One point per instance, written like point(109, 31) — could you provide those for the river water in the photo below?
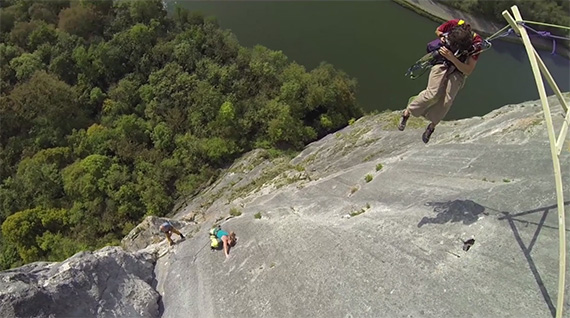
point(375, 42)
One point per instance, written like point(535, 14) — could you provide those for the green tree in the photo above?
point(42, 34)
point(131, 12)
point(7, 73)
point(20, 33)
point(123, 99)
point(102, 7)
point(218, 151)
point(265, 66)
point(26, 65)
point(62, 63)
point(187, 55)
point(36, 233)
point(122, 189)
point(152, 191)
point(39, 178)
point(135, 111)
point(83, 180)
point(124, 52)
point(42, 110)
point(63, 67)
point(168, 95)
point(133, 135)
point(162, 137)
point(187, 153)
point(81, 20)
point(8, 17)
point(161, 54)
point(283, 129)
point(9, 256)
point(43, 11)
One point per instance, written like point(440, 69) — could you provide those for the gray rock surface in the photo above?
point(331, 244)
point(148, 232)
point(105, 283)
point(318, 238)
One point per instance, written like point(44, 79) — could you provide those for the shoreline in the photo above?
point(440, 13)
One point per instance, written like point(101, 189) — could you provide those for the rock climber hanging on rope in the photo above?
point(452, 57)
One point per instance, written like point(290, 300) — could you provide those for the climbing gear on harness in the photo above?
point(214, 240)
point(433, 57)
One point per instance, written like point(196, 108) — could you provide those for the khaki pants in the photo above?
point(169, 234)
point(435, 101)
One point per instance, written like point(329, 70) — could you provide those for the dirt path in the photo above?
point(447, 13)
point(438, 11)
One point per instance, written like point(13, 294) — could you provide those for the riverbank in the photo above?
point(440, 13)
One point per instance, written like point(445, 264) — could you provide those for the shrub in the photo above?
point(235, 212)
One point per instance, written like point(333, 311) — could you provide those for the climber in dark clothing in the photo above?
point(168, 229)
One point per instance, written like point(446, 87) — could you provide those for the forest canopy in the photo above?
point(113, 110)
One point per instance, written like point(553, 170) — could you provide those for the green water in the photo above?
point(375, 42)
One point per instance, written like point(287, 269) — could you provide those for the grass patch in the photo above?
point(351, 121)
point(235, 212)
point(257, 215)
point(352, 138)
point(355, 213)
point(379, 167)
point(359, 212)
point(310, 158)
point(287, 180)
point(268, 174)
point(354, 189)
point(391, 120)
point(506, 180)
point(368, 178)
point(368, 158)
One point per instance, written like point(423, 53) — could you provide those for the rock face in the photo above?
point(148, 233)
point(366, 222)
point(370, 222)
point(106, 283)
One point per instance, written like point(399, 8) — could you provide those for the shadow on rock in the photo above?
point(465, 211)
point(513, 219)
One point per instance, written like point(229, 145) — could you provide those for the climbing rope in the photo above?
point(547, 24)
point(498, 33)
point(546, 34)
